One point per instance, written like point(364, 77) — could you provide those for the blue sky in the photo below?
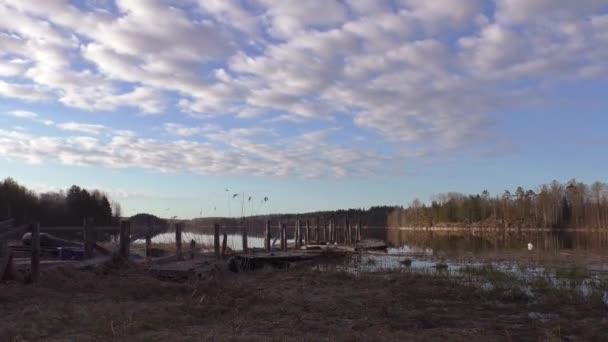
point(317, 104)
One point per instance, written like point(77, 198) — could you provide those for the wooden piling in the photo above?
point(125, 238)
point(296, 234)
point(224, 244)
point(178, 241)
point(359, 226)
point(87, 238)
point(325, 231)
point(318, 231)
point(267, 237)
point(283, 237)
point(5, 258)
point(148, 245)
point(35, 257)
point(216, 240)
point(307, 233)
point(192, 249)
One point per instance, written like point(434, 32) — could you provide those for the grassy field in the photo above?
point(125, 303)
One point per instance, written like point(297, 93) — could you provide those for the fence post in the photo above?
point(178, 241)
point(125, 238)
point(267, 237)
point(216, 240)
point(318, 231)
point(35, 258)
point(283, 237)
point(307, 233)
point(297, 234)
point(224, 243)
point(87, 237)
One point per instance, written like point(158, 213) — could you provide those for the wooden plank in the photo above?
point(178, 241)
point(35, 257)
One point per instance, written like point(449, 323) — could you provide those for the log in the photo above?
point(216, 240)
point(125, 238)
point(267, 237)
point(35, 258)
point(178, 242)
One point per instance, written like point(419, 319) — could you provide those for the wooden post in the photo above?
point(346, 231)
point(224, 244)
point(359, 230)
point(148, 245)
point(216, 240)
point(318, 231)
point(331, 231)
point(297, 234)
point(87, 238)
point(325, 231)
point(283, 237)
point(192, 248)
point(267, 237)
point(244, 237)
point(307, 233)
point(125, 237)
point(178, 241)
point(35, 258)
point(5, 259)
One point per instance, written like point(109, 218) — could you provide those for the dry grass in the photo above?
point(295, 304)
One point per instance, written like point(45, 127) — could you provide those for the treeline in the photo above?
point(555, 205)
point(67, 208)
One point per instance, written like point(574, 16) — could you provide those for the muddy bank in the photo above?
point(293, 304)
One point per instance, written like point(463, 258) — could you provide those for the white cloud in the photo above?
point(23, 114)
point(81, 127)
point(425, 75)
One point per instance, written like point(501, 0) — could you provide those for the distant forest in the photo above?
point(67, 208)
point(554, 205)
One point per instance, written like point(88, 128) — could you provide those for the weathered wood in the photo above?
point(5, 258)
point(125, 238)
point(267, 237)
point(88, 238)
point(284, 237)
point(35, 257)
point(192, 248)
point(244, 237)
point(224, 244)
point(318, 231)
point(216, 240)
point(307, 233)
point(148, 246)
point(359, 226)
point(178, 241)
point(297, 234)
point(276, 259)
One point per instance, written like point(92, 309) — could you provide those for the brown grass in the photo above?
point(295, 304)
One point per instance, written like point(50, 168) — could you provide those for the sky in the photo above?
point(172, 107)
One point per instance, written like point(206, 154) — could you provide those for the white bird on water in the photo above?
point(530, 246)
